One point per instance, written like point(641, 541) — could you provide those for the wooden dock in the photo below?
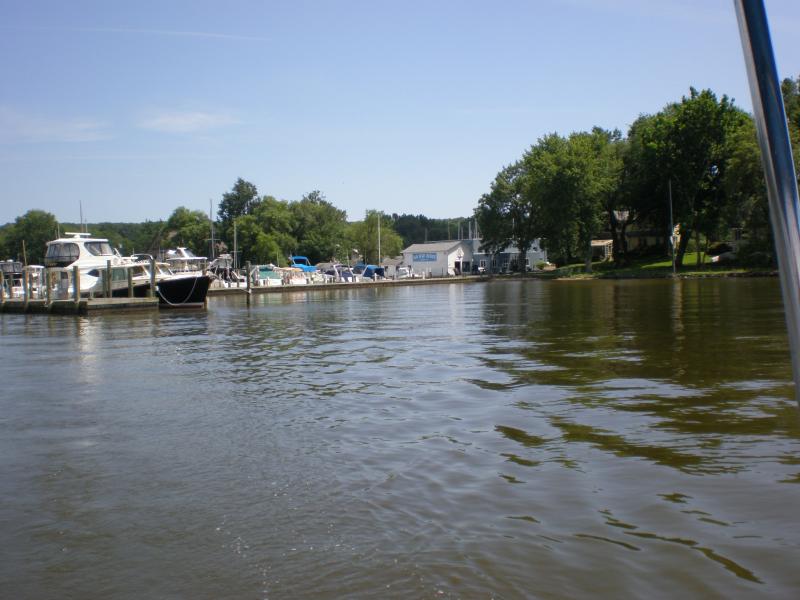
point(84, 306)
point(316, 287)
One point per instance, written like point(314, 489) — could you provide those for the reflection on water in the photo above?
point(508, 440)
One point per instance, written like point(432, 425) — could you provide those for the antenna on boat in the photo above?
point(80, 207)
point(776, 156)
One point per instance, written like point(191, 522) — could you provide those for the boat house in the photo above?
point(439, 259)
point(457, 257)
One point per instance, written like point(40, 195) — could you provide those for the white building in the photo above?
point(439, 259)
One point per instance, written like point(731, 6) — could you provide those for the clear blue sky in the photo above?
point(135, 108)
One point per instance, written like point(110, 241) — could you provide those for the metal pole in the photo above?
point(776, 156)
point(671, 227)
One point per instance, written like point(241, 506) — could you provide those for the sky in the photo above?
point(131, 109)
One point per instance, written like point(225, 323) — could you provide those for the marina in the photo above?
point(84, 275)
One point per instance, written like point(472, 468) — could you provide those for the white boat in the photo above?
point(93, 255)
point(183, 260)
point(266, 275)
point(12, 278)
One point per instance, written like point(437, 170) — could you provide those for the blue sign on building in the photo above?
point(424, 257)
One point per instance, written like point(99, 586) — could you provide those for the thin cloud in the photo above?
point(18, 127)
point(108, 157)
point(170, 32)
point(187, 122)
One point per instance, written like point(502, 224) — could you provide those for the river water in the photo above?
point(503, 440)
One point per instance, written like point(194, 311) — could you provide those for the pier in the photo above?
point(84, 306)
point(58, 291)
point(248, 289)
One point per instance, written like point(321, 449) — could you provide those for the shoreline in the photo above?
point(469, 279)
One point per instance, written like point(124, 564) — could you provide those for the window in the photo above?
point(99, 248)
point(61, 255)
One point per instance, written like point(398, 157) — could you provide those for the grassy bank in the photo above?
point(655, 268)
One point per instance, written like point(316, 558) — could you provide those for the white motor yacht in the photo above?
point(92, 255)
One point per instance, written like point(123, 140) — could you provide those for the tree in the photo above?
point(496, 210)
point(240, 201)
point(418, 229)
point(686, 144)
point(552, 188)
point(319, 227)
point(791, 101)
point(35, 228)
point(746, 188)
point(364, 236)
point(189, 228)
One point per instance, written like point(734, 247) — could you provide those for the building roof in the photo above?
point(434, 246)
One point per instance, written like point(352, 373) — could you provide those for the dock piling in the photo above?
point(152, 291)
point(107, 282)
point(247, 274)
point(76, 285)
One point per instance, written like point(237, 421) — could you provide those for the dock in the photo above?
point(316, 287)
point(84, 306)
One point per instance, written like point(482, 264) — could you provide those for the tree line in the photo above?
point(700, 151)
point(262, 229)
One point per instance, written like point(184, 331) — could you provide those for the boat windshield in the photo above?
point(99, 248)
point(61, 255)
point(10, 266)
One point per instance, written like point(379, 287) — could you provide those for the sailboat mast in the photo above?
point(211, 220)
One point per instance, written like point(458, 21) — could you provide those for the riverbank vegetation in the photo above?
point(695, 165)
point(261, 228)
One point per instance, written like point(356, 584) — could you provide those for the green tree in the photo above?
point(791, 101)
point(364, 237)
point(417, 229)
point(686, 143)
point(319, 227)
point(495, 211)
point(189, 228)
point(745, 186)
point(35, 228)
point(240, 201)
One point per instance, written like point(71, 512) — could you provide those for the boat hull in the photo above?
point(183, 292)
point(173, 292)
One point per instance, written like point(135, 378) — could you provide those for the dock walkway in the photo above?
point(283, 289)
point(84, 306)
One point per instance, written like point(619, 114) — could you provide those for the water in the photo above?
point(504, 440)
